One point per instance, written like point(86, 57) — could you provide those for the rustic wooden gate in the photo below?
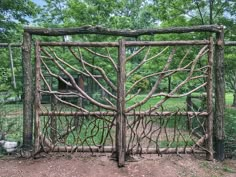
point(115, 97)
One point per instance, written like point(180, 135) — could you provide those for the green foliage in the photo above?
point(230, 131)
point(141, 86)
point(13, 14)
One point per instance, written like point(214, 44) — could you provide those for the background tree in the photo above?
point(13, 15)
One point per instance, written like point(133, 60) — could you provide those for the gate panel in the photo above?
point(160, 77)
point(76, 97)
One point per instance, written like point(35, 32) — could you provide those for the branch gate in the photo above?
point(115, 97)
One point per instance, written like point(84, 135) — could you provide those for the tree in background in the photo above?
point(13, 15)
point(230, 77)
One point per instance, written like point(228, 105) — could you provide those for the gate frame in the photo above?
point(29, 97)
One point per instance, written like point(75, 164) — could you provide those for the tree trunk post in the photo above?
point(37, 98)
point(234, 100)
point(53, 132)
point(219, 95)
point(189, 108)
point(209, 127)
point(28, 93)
point(121, 118)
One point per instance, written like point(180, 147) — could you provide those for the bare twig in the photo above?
point(145, 60)
point(97, 68)
point(91, 75)
point(135, 53)
point(103, 56)
point(74, 84)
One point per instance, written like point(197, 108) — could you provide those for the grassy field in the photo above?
point(172, 104)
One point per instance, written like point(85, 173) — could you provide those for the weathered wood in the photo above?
point(110, 149)
point(53, 120)
point(209, 127)
point(127, 43)
point(48, 146)
point(166, 43)
point(81, 44)
point(28, 92)
point(230, 43)
point(219, 95)
point(136, 113)
point(121, 118)
point(79, 101)
point(37, 98)
point(189, 108)
point(114, 32)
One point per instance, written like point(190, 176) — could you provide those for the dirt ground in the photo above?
point(100, 165)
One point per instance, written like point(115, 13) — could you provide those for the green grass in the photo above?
point(228, 169)
point(229, 98)
point(174, 144)
point(173, 104)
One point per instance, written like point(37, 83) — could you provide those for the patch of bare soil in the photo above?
point(100, 165)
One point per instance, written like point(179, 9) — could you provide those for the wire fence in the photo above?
point(11, 84)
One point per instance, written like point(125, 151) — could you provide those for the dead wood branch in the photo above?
point(113, 32)
point(65, 63)
point(199, 55)
point(74, 84)
point(103, 56)
point(136, 113)
point(145, 60)
point(91, 75)
point(58, 98)
point(103, 74)
point(135, 53)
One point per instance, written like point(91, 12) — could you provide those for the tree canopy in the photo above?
point(13, 15)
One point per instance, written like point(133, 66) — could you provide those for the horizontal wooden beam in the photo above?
point(109, 149)
point(81, 44)
point(166, 43)
point(97, 113)
point(230, 43)
point(127, 43)
point(117, 32)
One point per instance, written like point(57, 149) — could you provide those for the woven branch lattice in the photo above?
point(81, 115)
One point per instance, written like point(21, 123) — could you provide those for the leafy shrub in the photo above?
point(142, 85)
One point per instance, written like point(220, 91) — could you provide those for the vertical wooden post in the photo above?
point(189, 108)
point(53, 120)
point(37, 98)
point(121, 119)
point(219, 95)
point(28, 93)
point(79, 101)
point(209, 127)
